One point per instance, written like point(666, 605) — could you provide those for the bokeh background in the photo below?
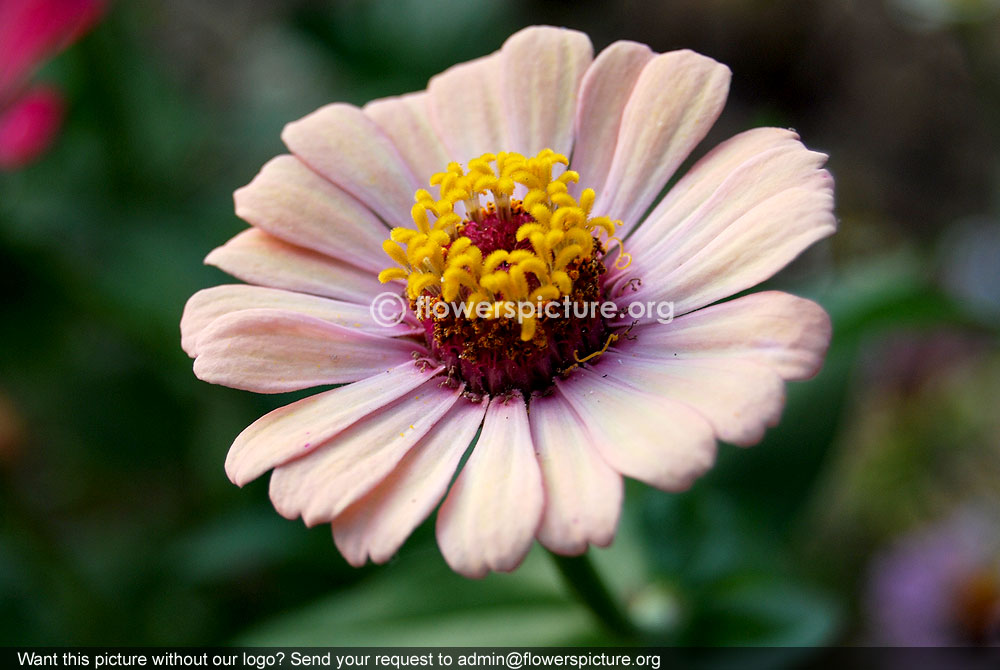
point(869, 516)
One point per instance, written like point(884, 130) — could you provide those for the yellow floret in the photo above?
point(436, 258)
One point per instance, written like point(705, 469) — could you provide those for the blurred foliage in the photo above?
point(118, 523)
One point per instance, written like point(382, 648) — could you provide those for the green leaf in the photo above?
point(412, 602)
point(765, 610)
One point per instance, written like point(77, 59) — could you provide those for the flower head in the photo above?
point(939, 586)
point(539, 295)
point(32, 31)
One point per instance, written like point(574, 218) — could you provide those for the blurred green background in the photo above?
point(118, 524)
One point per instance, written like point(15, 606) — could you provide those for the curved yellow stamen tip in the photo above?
point(389, 274)
point(612, 338)
point(418, 283)
point(621, 254)
point(544, 293)
point(528, 327)
point(395, 252)
point(402, 235)
point(562, 282)
point(494, 259)
point(568, 255)
point(526, 230)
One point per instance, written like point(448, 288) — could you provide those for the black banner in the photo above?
point(401, 658)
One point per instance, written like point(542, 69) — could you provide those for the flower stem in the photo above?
point(587, 585)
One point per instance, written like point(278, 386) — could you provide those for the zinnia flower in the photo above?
point(939, 586)
point(462, 197)
point(32, 31)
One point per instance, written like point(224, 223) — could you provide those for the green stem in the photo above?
point(587, 585)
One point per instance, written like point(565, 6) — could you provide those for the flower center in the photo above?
point(509, 289)
point(978, 607)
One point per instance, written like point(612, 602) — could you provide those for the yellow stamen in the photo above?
point(528, 326)
point(389, 274)
point(438, 259)
point(612, 338)
point(621, 254)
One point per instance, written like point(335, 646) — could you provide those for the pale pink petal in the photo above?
point(667, 241)
point(583, 494)
point(293, 203)
point(489, 519)
point(674, 103)
point(784, 332)
point(297, 429)
point(259, 258)
point(467, 109)
point(321, 485)
point(708, 174)
point(207, 305)
point(748, 251)
point(33, 30)
point(29, 126)
point(345, 146)
point(541, 72)
point(377, 524)
point(274, 351)
point(605, 89)
point(661, 442)
point(740, 398)
point(406, 121)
